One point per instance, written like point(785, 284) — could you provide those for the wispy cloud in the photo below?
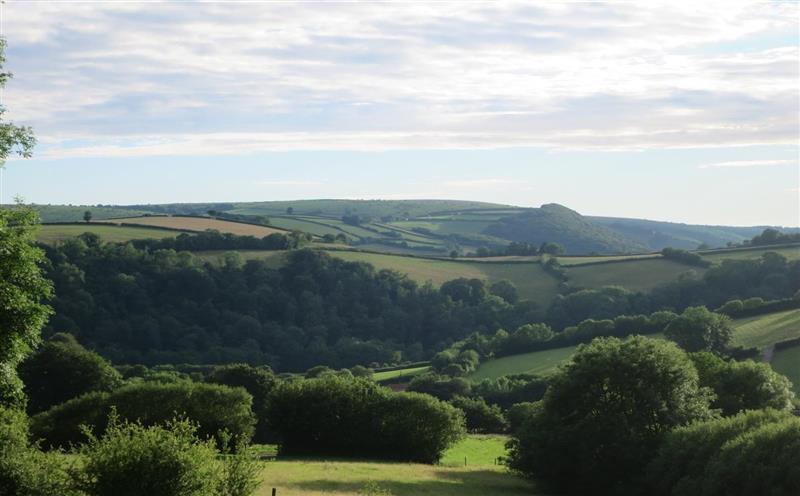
point(749, 163)
point(136, 79)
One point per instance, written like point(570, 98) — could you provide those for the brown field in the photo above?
point(201, 224)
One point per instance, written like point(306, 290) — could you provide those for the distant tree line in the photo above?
point(212, 239)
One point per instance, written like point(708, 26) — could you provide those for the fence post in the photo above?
point(465, 461)
point(274, 491)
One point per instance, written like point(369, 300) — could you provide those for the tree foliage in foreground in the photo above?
point(605, 412)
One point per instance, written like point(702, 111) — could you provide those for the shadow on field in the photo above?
point(449, 483)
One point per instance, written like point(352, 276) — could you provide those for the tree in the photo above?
point(505, 290)
point(62, 369)
point(22, 287)
point(551, 249)
point(87, 216)
point(258, 381)
point(698, 329)
point(289, 210)
point(605, 412)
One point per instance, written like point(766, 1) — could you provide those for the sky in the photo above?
point(680, 111)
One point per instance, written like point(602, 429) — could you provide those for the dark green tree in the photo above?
point(62, 369)
point(605, 412)
point(258, 381)
point(87, 216)
point(699, 329)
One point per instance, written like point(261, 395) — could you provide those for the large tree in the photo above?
point(698, 329)
point(22, 287)
point(605, 412)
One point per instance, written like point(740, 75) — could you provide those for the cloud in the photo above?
point(750, 163)
point(137, 79)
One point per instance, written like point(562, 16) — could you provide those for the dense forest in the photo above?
point(145, 303)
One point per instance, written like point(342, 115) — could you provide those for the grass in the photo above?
point(536, 362)
point(396, 374)
point(355, 478)
point(572, 261)
point(532, 282)
point(201, 224)
point(53, 233)
point(636, 275)
point(787, 362)
point(764, 330)
point(790, 252)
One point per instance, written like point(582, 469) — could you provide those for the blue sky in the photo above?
point(682, 112)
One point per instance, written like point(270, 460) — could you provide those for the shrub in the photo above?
point(257, 381)
point(356, 417)
point(24, 470)
point(605, 412)
point(683, 461)
point(131, 460)
point(215, 408)
point(62, 369)
point(481, 417)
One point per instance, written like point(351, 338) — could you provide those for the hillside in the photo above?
point(558, 224)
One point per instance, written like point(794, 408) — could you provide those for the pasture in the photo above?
point(764, 330)
point(635, 275)
point(536, 362)
point(200, 224)
point(399, 374)
point(481, 477)
point(532, 282)
point(790, 252)
point(787, 362)
point(52, 233)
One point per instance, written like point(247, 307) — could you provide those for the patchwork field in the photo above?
point(201, 224)
point(790, 252)
point(52, 233)
point(481, 477)
point(764, 330)
point(636, 275)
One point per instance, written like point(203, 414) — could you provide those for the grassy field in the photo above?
point(397, 374)
point(201, 224)
point(787, 362)
point(572, 261)
point(536, 362)
point(51, 233)
point(764, 330)
point(790, 252)
point(531, 280)
point(636, 275)
point(356, 478)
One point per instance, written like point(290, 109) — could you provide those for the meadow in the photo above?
point(201, 224)
point(399, 374)
point(52, 233)
point(764, 330)
point(636, 275)
point(536, 362)
point(481, 477)
point(790, 252)
point(787, 362)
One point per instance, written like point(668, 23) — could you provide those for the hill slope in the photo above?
point(558, 224)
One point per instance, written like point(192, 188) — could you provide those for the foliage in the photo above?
point(23, 291)
point(62, 369)
point(24, 470)
point(258, 381)
point(215, 408)
point(355, 417)
point(215, 240)
point(132, 459)
point(605, 412)
point(694, 459)
point(698, 329)
point(480, 417)
point(508, 390)
point(684, 256)
point(773, 237)
point(442, 387)
point(741, 386)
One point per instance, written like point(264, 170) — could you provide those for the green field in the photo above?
point(397, 374)
point(787, 362)
point(536, 362)
point(357, 478)
point(764, 330)
point(51, 233)
point(790, 252)
point(636, 275)
point(202, 224)
point(531, 280)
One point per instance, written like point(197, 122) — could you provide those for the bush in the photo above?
point(605, 412)
point(356, 417)
point(257, 381)
point(24, 470)
point(62, 369)
point(683, 462)
point(215, 408)
point(131, 460)
point(441, 387)
point(481, 418)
